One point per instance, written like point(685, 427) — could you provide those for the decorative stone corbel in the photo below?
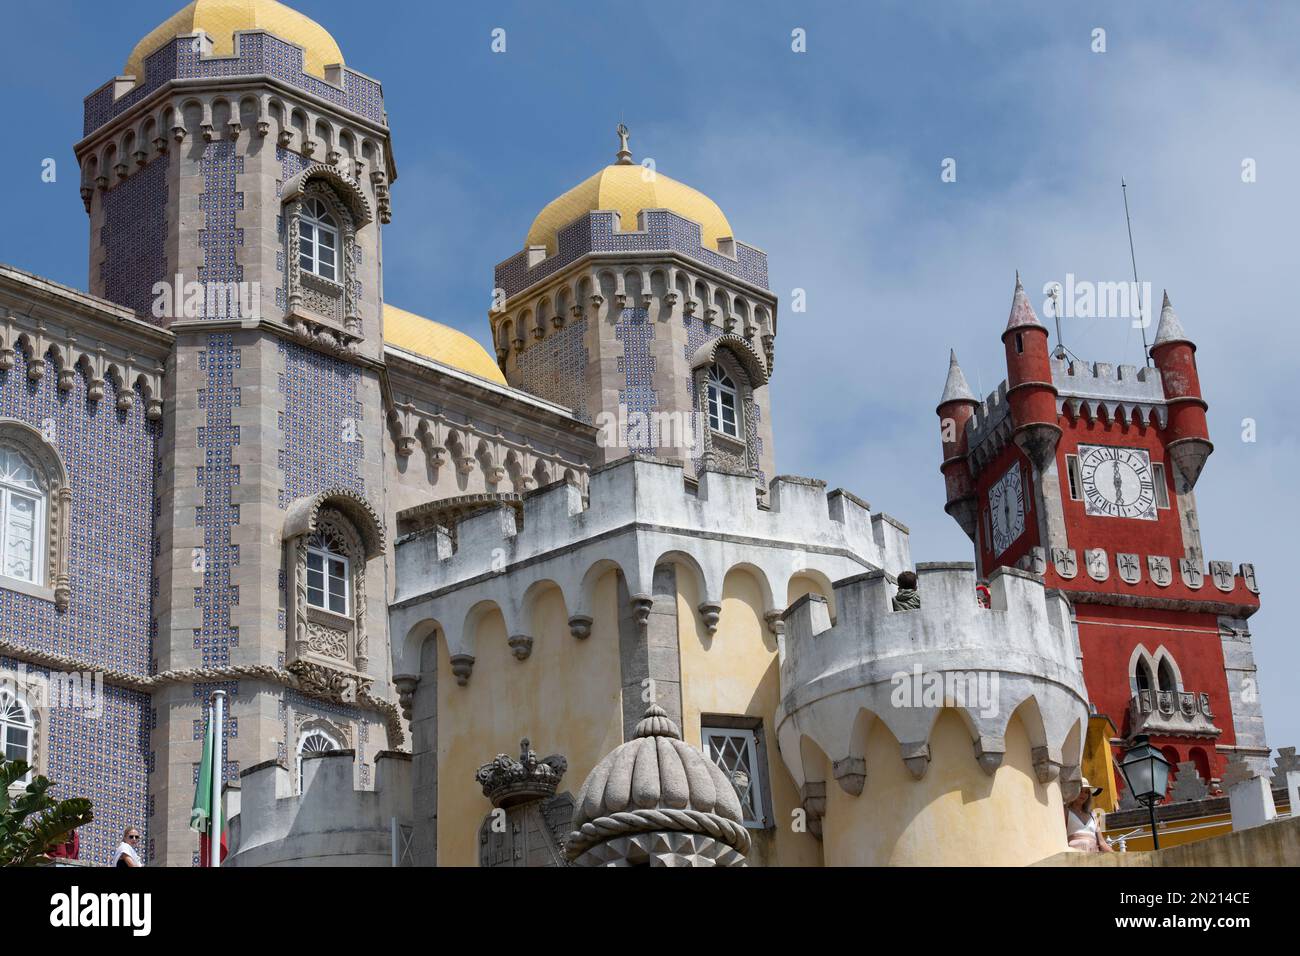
point(851, 774)
point(141, 157)
point(775, 622)
point(405, 684)
point(711, 611)
point(1045, 767)
point(521, 645)
point(641, 607)
point(989, 752)
point(916, 755)
point(462, 665)
point(235, 127)
point(160, 144)
point(812, 797)
point(284, 138)
point(580, 626)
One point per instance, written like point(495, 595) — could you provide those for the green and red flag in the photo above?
point(201, 814)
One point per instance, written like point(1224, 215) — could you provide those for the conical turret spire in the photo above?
point(1022, 313)
point(956, 388)
point(1170, 329)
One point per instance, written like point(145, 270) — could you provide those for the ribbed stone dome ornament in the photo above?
point(657, 801)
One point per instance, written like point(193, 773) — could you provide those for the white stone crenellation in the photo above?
point(639, 513)
point(834, 675)
point(329, 822)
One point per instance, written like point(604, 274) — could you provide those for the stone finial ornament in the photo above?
point(506, 781)
point(657, 800)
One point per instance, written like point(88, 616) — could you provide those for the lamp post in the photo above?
point(1146, 771)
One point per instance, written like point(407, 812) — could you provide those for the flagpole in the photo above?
point(214, 829)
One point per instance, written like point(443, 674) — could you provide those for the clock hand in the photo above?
point(1119, 485)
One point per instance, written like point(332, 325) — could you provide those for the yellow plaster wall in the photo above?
point(564, 698)
point(954, 815)
point(734, 672)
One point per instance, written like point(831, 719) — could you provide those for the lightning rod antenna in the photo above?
point(1137, 288)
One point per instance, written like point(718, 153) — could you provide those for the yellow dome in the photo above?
point(439, 342)
point(629, 188)
point(219, 19)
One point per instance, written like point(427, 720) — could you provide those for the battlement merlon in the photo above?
point(639, 514)
point(1021, 649)
point(329, 823)
point(600, 232)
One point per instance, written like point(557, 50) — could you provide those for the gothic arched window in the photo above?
point(23, 505)
point(1165, 674)
point(314, 742)
point(318, 240)
point(724, 403)
point(1143, 677)
point(329, 582)
point(16, 728)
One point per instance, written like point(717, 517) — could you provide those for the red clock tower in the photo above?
point(1085, 473)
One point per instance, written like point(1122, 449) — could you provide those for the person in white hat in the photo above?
point(1081, 824)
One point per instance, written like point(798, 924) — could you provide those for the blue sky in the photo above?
point(830, 160)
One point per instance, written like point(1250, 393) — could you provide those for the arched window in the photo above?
point(23, 505)
point(314, 742)
point(724, 403)
point(318, 240)
point(1165, 673)
point(1145, 680)
point(329, 583)
point(16, 728)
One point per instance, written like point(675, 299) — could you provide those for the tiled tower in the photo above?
point(236, 181)
point(1084, 473)
point(633, 305)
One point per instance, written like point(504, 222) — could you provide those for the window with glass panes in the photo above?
point(15, 729)
point(735, 750)
point(327, 575)
point(724, 406)
point(22, 511)
point(318, 240)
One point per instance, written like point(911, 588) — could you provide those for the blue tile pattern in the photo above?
point(259, 53)
point(109, 456)
point(102, 758)
point(134, 238)
point(217, 516)
point(220, 237)
point(595, 232)
point(635, 330)
point(321, 413)
point(556, 368)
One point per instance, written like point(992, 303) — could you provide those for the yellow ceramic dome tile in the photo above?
point(220, 19)
point(439, 342)
point(629, 188)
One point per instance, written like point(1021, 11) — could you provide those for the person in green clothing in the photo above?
point(907, 598)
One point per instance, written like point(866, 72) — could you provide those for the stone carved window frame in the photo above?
point(351, 211)
point(354, 525)
point(306, 724)
point(52, 477)
point(738, 360)
point(29, 691)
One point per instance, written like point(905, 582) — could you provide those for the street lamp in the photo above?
point(1146, 771)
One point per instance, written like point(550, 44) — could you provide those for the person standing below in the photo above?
point(127, 852)
point(907, 598)
point(1081, 823)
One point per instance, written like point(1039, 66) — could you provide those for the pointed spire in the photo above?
point(956, 389)
point(1170, 329)
point(1022, 313)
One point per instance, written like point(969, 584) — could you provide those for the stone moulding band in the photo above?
point(627, 822)
point(200, 675)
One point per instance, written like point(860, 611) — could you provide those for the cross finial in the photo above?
point(624, 154)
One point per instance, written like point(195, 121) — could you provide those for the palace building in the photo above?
point(232, 464)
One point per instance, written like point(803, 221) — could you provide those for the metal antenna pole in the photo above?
point(1133, 259)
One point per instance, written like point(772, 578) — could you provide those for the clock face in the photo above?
point(1007, 509)
point(1117, 482)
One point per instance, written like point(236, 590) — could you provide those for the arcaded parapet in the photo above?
point(871, 700)
point(639, 514)
point(328, 822)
